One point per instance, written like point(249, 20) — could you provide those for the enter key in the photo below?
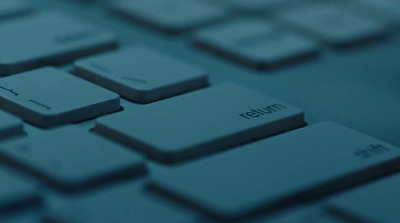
point(201, 122)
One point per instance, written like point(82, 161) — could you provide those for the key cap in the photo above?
point(71, 158)
point(172, 16)
point(386, 8)
point(303, 214)
point(256, 5)
point(278, 171)
point(29, 216)
point(10, 8)
point(374, 202)
point(9, 126)
point(127, 72)
point(333, 25)
point(255, 43)
point(16, 191)
point(47, 39)
point(48, 97)
point(116, 204)
point(200, 122)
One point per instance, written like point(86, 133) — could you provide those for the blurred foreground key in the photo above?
point(374, 202)
point(9, 125)
point(121, 203)
point(16, 191)
point(71, 158)
point(278, 171)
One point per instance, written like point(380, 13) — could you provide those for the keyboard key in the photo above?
point(302, 214)
point(255, 43)
point(333, 25)
point(256, 5)
point(386, 8)
point(201, 122)
point(374, 202)
point(127, 72)
point(29, 216)
point(172, 16)
point(122, 203)
point(9, 125)
point(278, 171)
point(16, 191)
point(10, 8)
point(48, 97)
point(71, 158)
point(46, 39)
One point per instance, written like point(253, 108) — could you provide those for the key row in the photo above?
point(47, 39)
point(329, 158)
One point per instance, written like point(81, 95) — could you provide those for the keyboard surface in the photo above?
point(199, 111)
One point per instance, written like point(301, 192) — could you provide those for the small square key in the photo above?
point(255, 43)
point(170, 15)
point(336, 26)
point(141, 74)
point(9, 125)
point(71, 158)
point(48, 97)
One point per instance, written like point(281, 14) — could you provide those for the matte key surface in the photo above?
point(48, 97)
point(72, 158)
point(334, 25)
point(169, 15)
point(46, 39)
point(278, 171)
point(9, 8)
point(388, 8)
point(141, 74)
point(9, 125)
point(16, 190)
point(374, 202)
point(255, 43)
point(201, 122)
point(256, 5)
point(119, 204)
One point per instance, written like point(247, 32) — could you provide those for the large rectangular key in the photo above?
point(71, 158)
point(200, 122)
point(9, 125)
point(279, 171)
point(48, 97)
point(47, 39)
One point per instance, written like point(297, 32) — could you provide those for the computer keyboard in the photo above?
point(199, 111)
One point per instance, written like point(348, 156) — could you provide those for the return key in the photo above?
point(202, 122)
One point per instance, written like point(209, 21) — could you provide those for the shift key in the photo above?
point(278, 172)
point(201, 122)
